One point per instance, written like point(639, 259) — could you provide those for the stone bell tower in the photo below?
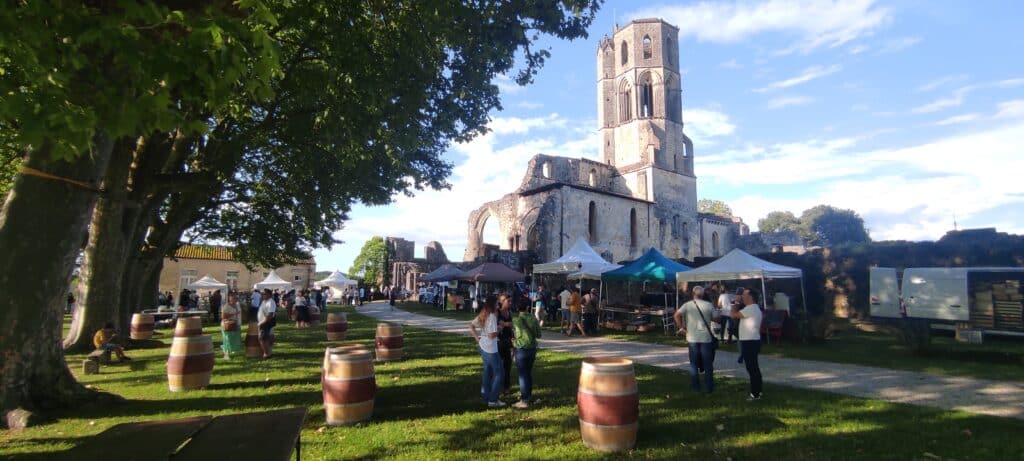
point(640, 118)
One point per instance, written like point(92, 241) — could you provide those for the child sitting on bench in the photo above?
point(103, 340)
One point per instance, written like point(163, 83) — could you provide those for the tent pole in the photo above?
point(764, 294)
point(803, 302)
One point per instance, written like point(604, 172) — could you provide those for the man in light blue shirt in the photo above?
point(254, 303)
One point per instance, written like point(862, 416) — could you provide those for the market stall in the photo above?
point(489, 273)
point(650, 270)
point(337, 282)
point(441, 276)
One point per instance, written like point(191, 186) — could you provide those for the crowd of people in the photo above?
point(501, 335)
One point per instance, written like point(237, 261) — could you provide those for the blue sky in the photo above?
point(908, 112)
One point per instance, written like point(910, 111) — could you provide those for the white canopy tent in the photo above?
point(581, 261)
point(338, 282)
point(740, 265)
point(210, 283)
point(273, 282)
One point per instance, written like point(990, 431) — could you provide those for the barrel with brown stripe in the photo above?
point(337, 326)
point(349, 385)
point(608, 403)
point(252, 342)
point(191, 363)
point(389, 342)
point(142, 326)
point(314, 316)
point(188, 326)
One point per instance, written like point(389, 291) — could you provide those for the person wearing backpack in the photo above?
point(694, 319)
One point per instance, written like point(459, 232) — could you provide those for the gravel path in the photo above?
point(972, 395)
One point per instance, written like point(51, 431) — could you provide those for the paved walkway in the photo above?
point(947, 392)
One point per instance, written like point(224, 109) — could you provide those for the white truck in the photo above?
point(976, 300)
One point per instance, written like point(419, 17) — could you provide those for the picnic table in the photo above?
point(200, 438)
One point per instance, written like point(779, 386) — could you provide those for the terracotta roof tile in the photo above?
point(214, 252)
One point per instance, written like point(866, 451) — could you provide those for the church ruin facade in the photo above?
point(642, 193)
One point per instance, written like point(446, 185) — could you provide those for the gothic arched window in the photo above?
point(546, 170)
point(625, 102)
point(646, 94)
point(592, 180)
point(647, 47)
point(624, 51)
point(714, 244)
point(592, 222)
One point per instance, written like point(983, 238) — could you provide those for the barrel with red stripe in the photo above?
point(337, 326)
point(190, 363)
point(349, 385)
point(188, 326)
point(609, 404)
point(389, 342)
point(142, 326)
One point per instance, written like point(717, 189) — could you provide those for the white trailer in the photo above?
point(987, 299)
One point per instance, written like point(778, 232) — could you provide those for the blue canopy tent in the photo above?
point(651, 267)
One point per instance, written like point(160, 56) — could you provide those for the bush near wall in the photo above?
point(836, 278)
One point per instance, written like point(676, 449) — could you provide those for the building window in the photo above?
point(647, 47)
point(546, 170)
point(624, 52)
point(625, 102)
point(592, 222)
point(646, 93)
point(632, 228)
point(231, 279)
point(669, 54)
point(187, 277)
point(592, 180)
point(714, 244)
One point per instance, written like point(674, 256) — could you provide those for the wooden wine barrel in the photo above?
point(191, 363)
point(389, 342)
point(609, 405)
point(314, 316)
point(338, 349)
point(349, 385)
point(142, 326)
point(188, 326)
point(337, 326)
point(252, 342)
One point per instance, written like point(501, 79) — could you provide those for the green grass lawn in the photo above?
point(431, 310)
point(428, 407)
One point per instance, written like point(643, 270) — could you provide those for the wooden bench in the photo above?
point(268, 435)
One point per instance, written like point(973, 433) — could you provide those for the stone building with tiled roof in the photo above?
point(192, 262)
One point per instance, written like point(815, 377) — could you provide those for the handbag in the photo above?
point(714, 339)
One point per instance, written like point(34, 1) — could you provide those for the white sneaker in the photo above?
point(521, 404)
point(496, 404)
point(752, 397)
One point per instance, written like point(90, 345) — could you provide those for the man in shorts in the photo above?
point(267, 319)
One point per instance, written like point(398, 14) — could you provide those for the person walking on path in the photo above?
point(693, 318)
point(505, 340)
point(575, 313)
point(526, 330)
point(563, 303)
point(484, 329)
point(267, 319)
point(750, 338)
point(392, 297)
point(230, 327)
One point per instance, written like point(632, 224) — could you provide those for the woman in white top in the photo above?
point(750, 339)
point(485, 331)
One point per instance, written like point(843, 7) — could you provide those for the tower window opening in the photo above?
point(624, 51)
point(646, 109)
point(592, 222)
point(647, 47)
point(592, 180)
point(632, 228)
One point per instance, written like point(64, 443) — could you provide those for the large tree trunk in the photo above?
point(41, 227)
point(104, 262)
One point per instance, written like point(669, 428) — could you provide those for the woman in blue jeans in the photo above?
point(485, 331)
point(527, 330)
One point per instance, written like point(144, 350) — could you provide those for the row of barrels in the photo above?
point(607, 396)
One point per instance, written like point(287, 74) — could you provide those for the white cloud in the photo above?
point(898, 44)
point(703, 125)
point(954, 100)
point(506, 84)
point(815, 23)
point(906, 193)
point(1010, 109)
point(786, 101)
point(516, 125)
point(730, 64)
point(1009, 83)
point(529, 105)
point(858, 49)
point(941, 81)
point(808, 74)
point(957, 119)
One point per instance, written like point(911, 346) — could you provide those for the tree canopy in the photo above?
point(779, 221)
point(712, 206)
point(827, 225)
point(370, 265)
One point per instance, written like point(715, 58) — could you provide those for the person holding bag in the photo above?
point(693, 316)
point(230, 328)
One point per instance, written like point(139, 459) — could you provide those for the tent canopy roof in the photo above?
point(491, 272)
point(273, 281)
point(208, 283)
point(738, 265)
point(651, 267)
point(581, 261)
point(336, 280)
point(442, 274)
